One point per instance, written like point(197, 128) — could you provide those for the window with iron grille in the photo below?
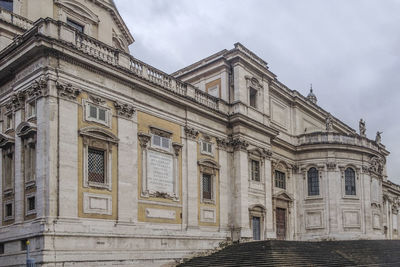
point(96, 166)
point(207, 186)
point(313, 182)
point(280, 180)
point(350, 181)
point(255, 170)
point(8, 167)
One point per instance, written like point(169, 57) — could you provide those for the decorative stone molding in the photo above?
point(26, 129)
point(177, 148)
point(144, 139)
point(16, 102)
point(97, 100)
point(222, 143)
point(6, 140)
point(239, 144)
point(209, 166)
point(365, 169)
point(37, 89)
point(124, 110)
point(376, 165)
point(191, 132)
point(67, 91)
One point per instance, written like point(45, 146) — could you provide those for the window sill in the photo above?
point(9, 218)
point(100, 186)
point(319, 197)
point(208, 201)
point(354, 197)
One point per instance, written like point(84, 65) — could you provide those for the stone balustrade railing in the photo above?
point(15, 19)
point(95, 48)
point(336, 138)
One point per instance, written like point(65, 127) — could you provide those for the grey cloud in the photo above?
point(347, 49)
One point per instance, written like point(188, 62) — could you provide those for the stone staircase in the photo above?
point(298, 253)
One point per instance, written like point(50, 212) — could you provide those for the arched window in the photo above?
point(350, 181)
point(313, 182)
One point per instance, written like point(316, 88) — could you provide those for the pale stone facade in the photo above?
point(107, 159)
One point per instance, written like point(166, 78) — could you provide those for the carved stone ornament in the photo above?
point(6, 141)
point(222, 143)
point(239, 144)
point(362, 128)
point(144, 139)
point(177, 148)
point(267, 153)
point(16, 101)
point(97, 100)
point(365, 169)
point(331, 165)
point(67, 91)
point(38, 88)
point(191, 132)
point(329, 123)
point(378, 137)
point(376, 165)
point(124, 110)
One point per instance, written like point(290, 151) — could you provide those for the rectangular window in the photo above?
point(96, 166)
point(255, 170)
point(8, 210)
point(9, 121)
point(280, 180)
point(31, 109)
point(7, 5)
point(23, 244)
point(206, 147)
point(76, 25)
point(31, 205)
point(161, 142)
point(207, 186)
point(253, 97)
point(8, 170)
point(30, 162)
point(98, 114)
point(1, 248)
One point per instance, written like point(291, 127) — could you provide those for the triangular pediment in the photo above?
point(283, 195)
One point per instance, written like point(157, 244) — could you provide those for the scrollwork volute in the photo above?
point(239, 144)
point(222, 143)
point(177, 148)
point(67, 91)
point(144, 139)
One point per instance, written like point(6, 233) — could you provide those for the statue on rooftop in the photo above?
point(378, 137)
point(362, 128)
point(329, 123)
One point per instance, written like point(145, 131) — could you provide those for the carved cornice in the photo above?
point(38, 88)
point(144, 139)
point(124, 110)
point(6, 140)
point(191, 132)
point(67, 91)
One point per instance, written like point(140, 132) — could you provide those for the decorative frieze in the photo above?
point(67, 91)
point(191, 132)
point(124, 110)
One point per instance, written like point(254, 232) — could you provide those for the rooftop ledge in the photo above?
point(338, 138)
point(64, 33)
point(15, 19)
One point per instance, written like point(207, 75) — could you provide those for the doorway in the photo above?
point(256, 228)
point(280, 224)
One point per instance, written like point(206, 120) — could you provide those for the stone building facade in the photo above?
point(105, 158)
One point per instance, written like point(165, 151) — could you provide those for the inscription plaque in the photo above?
point(160, 172)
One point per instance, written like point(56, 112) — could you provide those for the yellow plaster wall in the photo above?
point(114, 179)
point(144, 123)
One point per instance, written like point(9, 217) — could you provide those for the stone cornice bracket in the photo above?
point(222, 143)
point(266, 153)
point(124, 110)
point(144, 139)
point(67, 91)
point(38, 88)
point(177, 148)
point(191, 132)
point(239, 144)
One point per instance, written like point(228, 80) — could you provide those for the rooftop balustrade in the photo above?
point(15, 19)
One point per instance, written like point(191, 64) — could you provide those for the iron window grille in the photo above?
point(96, 166)
point(280, 180)
point(207, 186)
point(313, 182)
point(255, 170)
point(350, 181)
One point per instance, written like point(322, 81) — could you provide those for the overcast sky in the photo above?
point(348, 49)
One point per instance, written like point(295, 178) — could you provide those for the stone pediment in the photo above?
point(209, 163)
point(25, 129)
point(78, 8)
point(6, 140)
point(282, 195)
point(99, 133)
